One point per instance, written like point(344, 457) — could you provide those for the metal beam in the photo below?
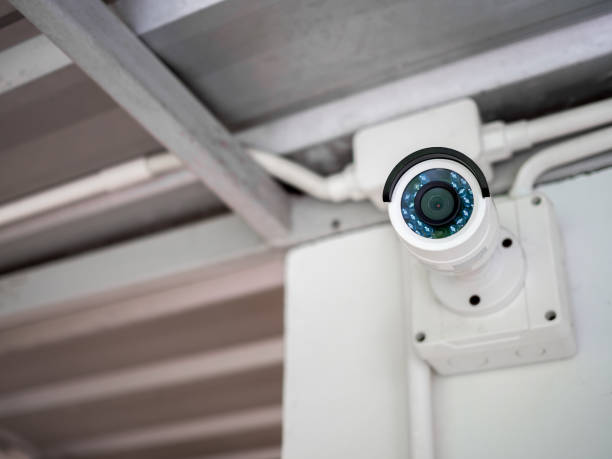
point(487, 71)
point(29, 60)
point(157, 304)
point(143, 15)
point(202, 250)
point(198, 367)
point(150, 263)
point(129, 72)
point(106, 202)
point(196, 429)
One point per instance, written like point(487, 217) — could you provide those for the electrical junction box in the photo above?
point(376, 150)
point(535, 327)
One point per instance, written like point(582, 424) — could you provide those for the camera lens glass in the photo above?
point(437, 203)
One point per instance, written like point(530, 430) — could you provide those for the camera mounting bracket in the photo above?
point(456, 330)
point(490, 287)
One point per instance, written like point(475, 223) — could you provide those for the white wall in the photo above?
point(345, 387)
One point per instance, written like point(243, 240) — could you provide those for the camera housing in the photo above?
point(429, 182)
point(475, 305)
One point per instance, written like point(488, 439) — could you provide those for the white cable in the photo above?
point(562, 153)
point(336, 188)
point(420, 408)
point(107, 180)
point(162, 162)
point(570, 121)
point(499, 140)
point(421, 431)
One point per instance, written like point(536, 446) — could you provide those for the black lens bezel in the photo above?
point(419, 211)
point(433, 153)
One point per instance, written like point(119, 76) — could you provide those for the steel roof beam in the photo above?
point(115, 58)
point(185, 431)
point(194, 367)
point(200, 250)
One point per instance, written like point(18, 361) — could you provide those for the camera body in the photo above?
point(486, 282)
point(440, 206)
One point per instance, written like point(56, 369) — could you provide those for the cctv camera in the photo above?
point(473, 304)
point(441, 207)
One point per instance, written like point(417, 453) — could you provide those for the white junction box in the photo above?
point(536, 326)
point(377, 149)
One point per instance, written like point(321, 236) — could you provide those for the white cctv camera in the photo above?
point(440, 206)
point(474, 303)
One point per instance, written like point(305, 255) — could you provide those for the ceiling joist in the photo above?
point(115, 58)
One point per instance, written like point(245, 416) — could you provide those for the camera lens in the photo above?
point(437, 203)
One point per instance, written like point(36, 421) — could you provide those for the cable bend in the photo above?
point(336, 188)
point(557, 155)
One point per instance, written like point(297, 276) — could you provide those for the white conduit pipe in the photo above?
point(500, 139)
point(420, 408)
point(569, 121)
point(107, 180)
point(336, 188)
point(557, 155)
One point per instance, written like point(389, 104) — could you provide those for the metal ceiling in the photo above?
point(62, 126)
point(116, 353)
point(192, 371)
point(255, 61)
